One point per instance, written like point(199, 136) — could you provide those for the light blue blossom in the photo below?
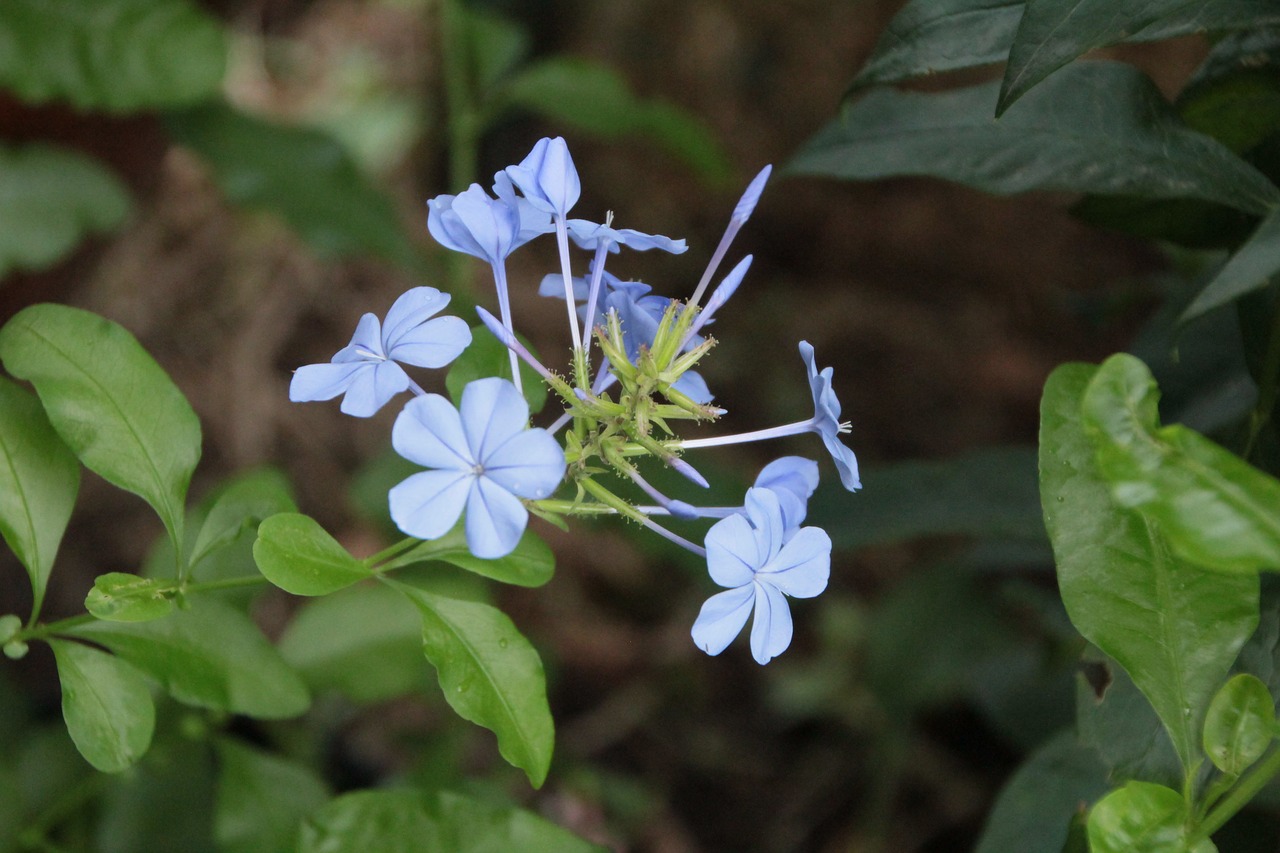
point(484, 460)
point(793, 479)
point(366, 370)
point(594, 236)
point(826, 420)
point(760, 565)
point(475, 224)
point(547, 177)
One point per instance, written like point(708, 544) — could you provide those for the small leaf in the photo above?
point(296, 554)
point(1175, 628)
point(122, 597)
point(39, 479)
point(116, 55)
point(1215, 509)
point(116, 409)
point(1240, 724)
point(106, 704)
point(488, 357)
point(490, 675)
point(1141, 817)
point(210, 656)
point(531, 564)
point(302, 175)
point(241, 506)
point(262, 799)
point(1251, 268)
point(1095, 127)
point(53, 198)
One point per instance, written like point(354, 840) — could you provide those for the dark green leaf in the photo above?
point(209, 655)
point(1095, 127)
point(1234, 96)
point(116, 409)
point(296, 554)
point(488, 357)
point(530, 564)
point(1213, 507)
point(300, 174)
point(1141, 818)
point(163, 803)
point(365, 642)
point(39, 479)
point(1185, 221)
point(1240, 724)
point(1175, 628)
point(1249, 269)
point(116, 55)
point(490, 675)
point(122, 597)
point(106, 704)
point(1033, 811)
point(52, 199)
point(592, 97)
point(262, 800)
point(241, 506)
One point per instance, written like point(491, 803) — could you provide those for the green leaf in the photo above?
point(488, 357)
point(494, 45)
point(1034, 808)
point(1250, 268)
point(115, 55)
point(490, 675)
point(1214, 508)
point(1141, 818)
point(210, 656)
point(262, 800)
point(412, 821)
point(296, 554)
point(1234, 96)
point(106, 704)
point(1240, 724)
point(1051, 33)
point(1175, 628)
point(365, 642)
point(1185, 221)
point(530, 564)
point(53, 198)
point(122, 597)
point(116, 409)
point(1095, 127)
point(594, 99)
point(302, 175)
point(39, 479)
point(241, 506)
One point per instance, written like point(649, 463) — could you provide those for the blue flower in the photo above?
point(547, 177)
point(474, 223)
point(759, 564)
point(484, 459)
point(826, 420)
point(592, 235)
point(366, 370)
point(793, 479)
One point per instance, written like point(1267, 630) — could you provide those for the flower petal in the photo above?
point(765, 514)
point(371, 389)
point(802, 567)
point(547, 177)
point(429, 432)
point(846, 462)
point(414, 307)
point(448, 230)
point(721, 618)
point(492, 412)
point(366, 343)
point(793, 479)
point(693, 386)
point(495, 520)
point(323, 381)
point(771, 629)
point(492, 223)
point(427, 504)
point(434, 343)
point(732, 551)
point(529, 464)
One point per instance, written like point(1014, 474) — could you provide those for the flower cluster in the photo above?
point(486, 464)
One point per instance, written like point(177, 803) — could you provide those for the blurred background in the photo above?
point(241, 237)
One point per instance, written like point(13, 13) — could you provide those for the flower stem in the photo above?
point(1250, 784)
point(562, 242)
point(742, 437)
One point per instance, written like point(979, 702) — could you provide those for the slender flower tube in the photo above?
point(741, 213)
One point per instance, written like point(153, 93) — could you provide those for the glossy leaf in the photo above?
point(39, 479)
point(209, 655)
point(116, 409)
point(106, 704)
point(262, 799)
point(1094, 127)
point(1240, 724)
point(239, 507)
point(115, 55)
point(1116, 720)
point(296, 554)
point(531, 564)
point(1251, 268)
point(302, 175)
point(365, 642)
point(122, 597)
point(1214, 508)
point(1141, 818)
point(53, 198)
point(488, 357)
point(490, 675)
point(412, 821)
point(1174, 627)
